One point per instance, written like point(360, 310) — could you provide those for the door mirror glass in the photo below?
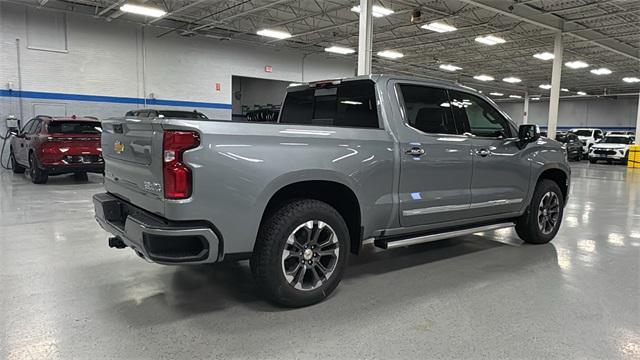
point(528, 133)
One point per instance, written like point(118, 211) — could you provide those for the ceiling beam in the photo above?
point(556, 23)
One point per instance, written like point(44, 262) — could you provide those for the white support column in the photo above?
point(525, 112)
point(554, 100)
point(638, 122)
point(365, 37)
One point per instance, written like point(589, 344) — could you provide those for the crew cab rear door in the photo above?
point(435, 158)
point(501, 170)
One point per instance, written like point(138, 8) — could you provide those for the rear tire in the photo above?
point(15, 167)
point(541, 221)
point(300, 253)
point(81, 176)
point(38, 175)
point(593, 161)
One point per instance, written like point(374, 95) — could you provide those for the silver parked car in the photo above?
point(397, 160)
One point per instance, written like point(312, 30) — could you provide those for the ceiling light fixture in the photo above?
point(564, 90)
point(535, 98)
point(581, 93)
point(515, 96)
point(484, 77)
point(450, 67)
point(601, 71)
point(340, 50)
point(490, 40)
point(390, 54)
point(496, 94)
point(143, 10)
point(376, 11)
point(512, 80)
point(544, 56)
point(576, 64)
point(439, 27)
point(631, 80)
point(276, 34)
point(545, 86)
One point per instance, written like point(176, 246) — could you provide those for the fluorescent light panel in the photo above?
point(601, 71)
point(390, 54)
point(340, 50)
point(376, 11)
point(490, 40)
point(576, 64)
point(581, 93)
point(142, 10)
point(484, 77)
point(439, 27)
point(515, 96)
point(564, 90)
point(544, 56)
point(512, 80)
point(449, 67)
point(276, 34)
point(496, 94)
point(631, 80)
point(545, 86)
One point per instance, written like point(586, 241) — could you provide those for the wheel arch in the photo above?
point(335, 193)
point(558, 176)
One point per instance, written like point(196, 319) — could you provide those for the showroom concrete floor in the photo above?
point(65, 294)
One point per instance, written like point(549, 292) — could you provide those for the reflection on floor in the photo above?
point(65, 294)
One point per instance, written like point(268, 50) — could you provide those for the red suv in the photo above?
point(58, 145)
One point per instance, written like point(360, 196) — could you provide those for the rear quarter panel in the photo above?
point(239, 166)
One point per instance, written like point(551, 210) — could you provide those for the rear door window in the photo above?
point(428, 109)
point(349, 104)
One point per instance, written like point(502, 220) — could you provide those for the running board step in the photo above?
point(395, 242)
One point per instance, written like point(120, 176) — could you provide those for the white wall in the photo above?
point(257, 92)
point(106, 59)
point(589, 112)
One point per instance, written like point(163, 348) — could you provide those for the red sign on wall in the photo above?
point(268, 68)
point(218, 86)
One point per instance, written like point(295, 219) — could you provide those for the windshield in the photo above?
point(617, 140)
point(582, 132)
point(182, 114)
point(75, 127)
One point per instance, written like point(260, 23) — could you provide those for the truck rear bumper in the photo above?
point(154, 238)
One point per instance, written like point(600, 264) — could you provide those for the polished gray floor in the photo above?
point(64, 294)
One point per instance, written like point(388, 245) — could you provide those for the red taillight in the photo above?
point(177, 175)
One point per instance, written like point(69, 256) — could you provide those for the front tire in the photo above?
point(541, 221)
point(38, 175)
point(15, 167)
point(300, 253)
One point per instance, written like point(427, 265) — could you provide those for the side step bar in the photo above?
point(395, 242)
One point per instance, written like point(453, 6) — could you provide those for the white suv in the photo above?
point(588, 137)
point(611, 148)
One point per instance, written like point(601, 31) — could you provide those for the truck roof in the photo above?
point(385, 77)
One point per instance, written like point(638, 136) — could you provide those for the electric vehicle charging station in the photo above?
point(12, 124)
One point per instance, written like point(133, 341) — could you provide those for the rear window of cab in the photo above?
point(347, 104)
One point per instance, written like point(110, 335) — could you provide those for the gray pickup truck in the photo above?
point(392, 160)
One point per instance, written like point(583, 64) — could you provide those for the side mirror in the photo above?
point(528, 133)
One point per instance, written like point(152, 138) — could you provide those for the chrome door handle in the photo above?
point(483, 152)
point(415, 151)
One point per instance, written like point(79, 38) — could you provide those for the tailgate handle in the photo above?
point(117, 128)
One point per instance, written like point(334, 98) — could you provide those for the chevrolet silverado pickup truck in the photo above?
point(384, 159)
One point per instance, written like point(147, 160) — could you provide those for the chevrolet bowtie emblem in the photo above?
point(118, 147)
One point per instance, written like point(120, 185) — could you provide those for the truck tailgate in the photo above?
point(132, 149)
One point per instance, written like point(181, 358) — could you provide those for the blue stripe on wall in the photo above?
point(110, 99)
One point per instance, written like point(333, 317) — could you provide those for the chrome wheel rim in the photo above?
point(548, 212)
point(310, 255)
